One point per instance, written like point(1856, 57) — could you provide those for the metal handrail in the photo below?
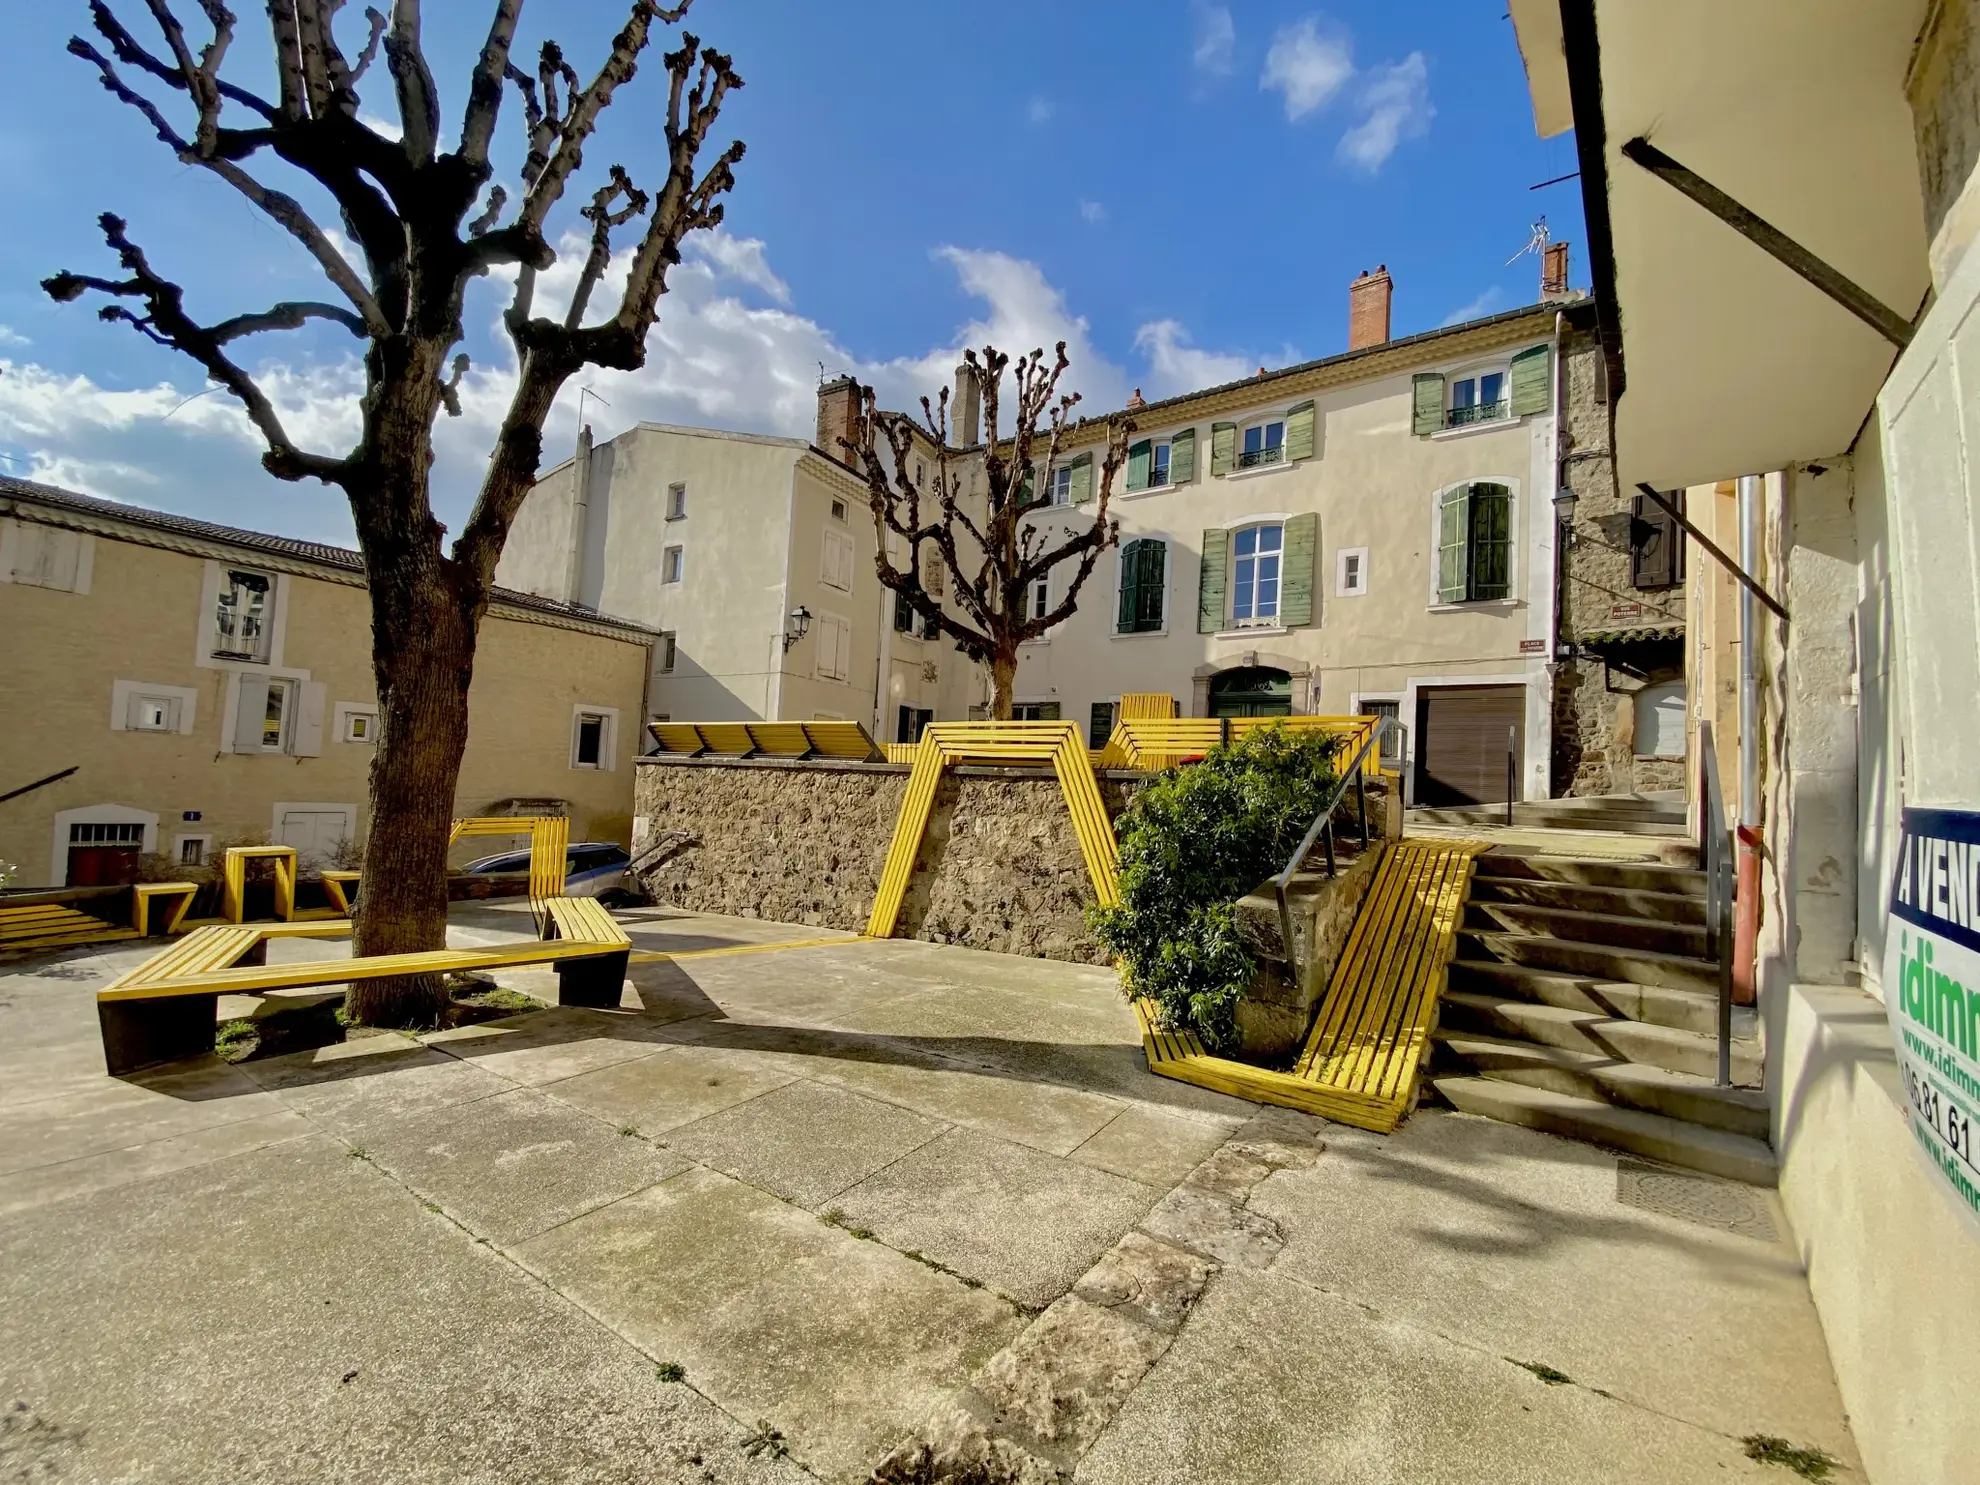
point(1478, 412)
point(1323, 825)
point(1256, 457)
point(1715, 856)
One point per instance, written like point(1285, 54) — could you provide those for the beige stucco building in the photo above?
point(718, 540)
point(1371, 531)
point(184, 685)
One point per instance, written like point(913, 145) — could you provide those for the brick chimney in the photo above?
point(965, 409)
point(838, 414)
point(1554, 271)
point(1368, 308)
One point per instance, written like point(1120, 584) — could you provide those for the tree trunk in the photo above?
point(1003, 684)
point(423, 713)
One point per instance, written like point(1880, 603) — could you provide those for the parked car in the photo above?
point(591, 868)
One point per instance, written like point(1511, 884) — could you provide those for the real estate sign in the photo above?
point(1932, 990)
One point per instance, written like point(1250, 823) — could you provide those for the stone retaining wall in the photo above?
point(805, 841)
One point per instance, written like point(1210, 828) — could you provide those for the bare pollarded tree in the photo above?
point(427, 221)
point(995, 551)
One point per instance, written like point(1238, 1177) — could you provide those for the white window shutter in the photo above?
point(308, 731)
point(251, 713)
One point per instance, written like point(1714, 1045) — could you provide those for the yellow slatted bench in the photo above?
point(163, 1009)
point(175, 898)
point(54, 925)
point(233, 880)
point(337, 887)
point(821, 739)
point(1361, 1061)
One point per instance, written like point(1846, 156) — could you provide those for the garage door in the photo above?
point(1461, 737)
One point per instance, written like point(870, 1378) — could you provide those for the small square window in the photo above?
point(192, 850)
point(666, 652)
point(154, 713)
point(357, 727)
point(1351, 572)
point(590, 746)
point(838, 510)
point(677, 502)
point(672, 562)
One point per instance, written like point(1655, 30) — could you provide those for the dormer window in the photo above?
point(243, 616)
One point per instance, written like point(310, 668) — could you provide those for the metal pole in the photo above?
point(1747, 893)
point(1512, 770)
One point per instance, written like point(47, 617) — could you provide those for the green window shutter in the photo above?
point(1532, 381)
point(1099, 724)
point(1427, 406)
point(1223, 447)
point(1491, 542)
point(1299, 434)
point(1130, 588)
point(1152, 585)
point(1139, 455)
point(1048, 711)
point(1024, 495)
point(1182, 457)
point(1082, 479)
point(1296, 582)
point(1453, 531)
point(1213, 581)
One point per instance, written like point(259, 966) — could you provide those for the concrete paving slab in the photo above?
point(1155, 1146)
point(545, 1046)
point(840, 1344)
point(114, 1113)
point(383, 1077)
point(670, 1087)
point(1514, 1242)
point(804, 1142)
point(1024, 1223)
point(1273, 1383)
point(294, 1315)
point(515, 1165)
point(41, 1184)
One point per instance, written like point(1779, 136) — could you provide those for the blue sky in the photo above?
point(1181, 190)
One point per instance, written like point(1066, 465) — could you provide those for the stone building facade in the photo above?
point(1619, 699)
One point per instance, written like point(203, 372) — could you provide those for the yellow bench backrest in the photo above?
point(847, 740)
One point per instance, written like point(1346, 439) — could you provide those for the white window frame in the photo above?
point(96, 814)
point(1403, 722)
point(349, 710)
point(215, 648)
point(1358, 588)
point(674, 557)
point(667, 652)
point(1475, 373)
point(289, 690)
point(1257, 620)
point(677, 501)
point(608, 736)
point(125, 695)
point(1038, 598)
point(1058, 486)
point(1264, 422)
point(180, 842)
point(838, 509)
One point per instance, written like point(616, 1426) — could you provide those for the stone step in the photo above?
point(1608, 929)
point(1610, 1036)
point(1660, 1005)
point(1640, 876)
point(1635, 1085)
point(1548, 816)
point(1654, 1136)
point(1599, 961)
point(1628, 902)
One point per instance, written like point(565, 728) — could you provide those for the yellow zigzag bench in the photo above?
point(1362, 1059)
point(163, 1009)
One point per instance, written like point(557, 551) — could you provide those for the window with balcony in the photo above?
point(244, 615)
point(1262, 444)
point(1479, 397)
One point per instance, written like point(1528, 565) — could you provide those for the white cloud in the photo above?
point(1038, 110)
point(9, 336)
point(1307, 67)
point(1175, 366)
point(1395, 100)
point(1483, 305)
point(383, 127)
point(1093, 211)
point(1216, 39)
point(742, 259)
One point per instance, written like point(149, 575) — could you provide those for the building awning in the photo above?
point(1724, 360)
point(1607, 639)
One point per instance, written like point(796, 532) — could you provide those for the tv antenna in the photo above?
point(1535, 244)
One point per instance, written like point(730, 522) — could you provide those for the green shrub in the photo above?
point(1192, 843)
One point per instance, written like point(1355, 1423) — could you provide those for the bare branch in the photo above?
point(603, 219)
point(419, 102)
point(497, 199)
point(450, 389)
point(165, 321)
point(484, 105)
point(376, 20)
point(294, 94)
point(288, 315)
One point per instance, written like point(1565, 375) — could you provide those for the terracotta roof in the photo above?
point(1628, 636)
point(309, 553)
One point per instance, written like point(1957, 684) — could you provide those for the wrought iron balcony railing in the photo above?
point(1254, 458)
point(1482, 412)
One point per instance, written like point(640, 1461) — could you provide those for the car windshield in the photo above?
point(514, 861)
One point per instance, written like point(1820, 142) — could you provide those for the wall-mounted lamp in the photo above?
point(797, 625)
point(1564, 503)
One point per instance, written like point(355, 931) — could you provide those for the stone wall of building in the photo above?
point(805, 842)
point(1594, 705)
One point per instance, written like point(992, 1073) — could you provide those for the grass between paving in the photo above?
point(1810, 1464)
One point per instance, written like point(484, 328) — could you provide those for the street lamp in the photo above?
point(799, 624)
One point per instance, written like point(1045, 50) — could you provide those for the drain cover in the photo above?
point(1708, 1201)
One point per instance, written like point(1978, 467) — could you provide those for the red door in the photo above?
point(102, 866)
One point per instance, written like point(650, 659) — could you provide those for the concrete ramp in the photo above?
point(1363, 1057)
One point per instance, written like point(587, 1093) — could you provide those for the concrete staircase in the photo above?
point(1579, 1002)
point(1620, 814)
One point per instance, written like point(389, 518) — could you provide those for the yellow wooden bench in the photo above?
point(176, 897)
point(337, 887)
point(846, 740)
point(163, 1009)
point(233, 880)
point(37, 927)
